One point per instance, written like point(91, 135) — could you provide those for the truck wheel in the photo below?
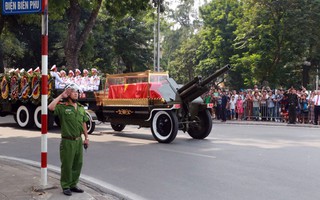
point(164, 126)
point(15, 118)
point(118, 127)
point(37, 118)
point(25, 116)
point(91, 125)
point(201, 128)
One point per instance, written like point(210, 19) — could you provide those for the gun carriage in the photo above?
point(152, 99)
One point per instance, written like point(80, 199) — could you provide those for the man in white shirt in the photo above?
point(316, 101)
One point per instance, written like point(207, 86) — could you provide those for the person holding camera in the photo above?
point(73, 120)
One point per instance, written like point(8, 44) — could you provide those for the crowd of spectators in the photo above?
point(265, 104)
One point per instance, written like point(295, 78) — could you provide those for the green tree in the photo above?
point(270, 36)
point(217, 46)
point(132, 44)
point(178, 29)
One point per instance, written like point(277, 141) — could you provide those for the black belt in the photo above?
point(71, 138)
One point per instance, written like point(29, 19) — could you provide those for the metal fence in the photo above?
point(278, 113)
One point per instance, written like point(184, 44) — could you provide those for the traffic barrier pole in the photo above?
point(44, 93)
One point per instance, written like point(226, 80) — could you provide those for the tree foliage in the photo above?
point(268, 42)
point(74, 40)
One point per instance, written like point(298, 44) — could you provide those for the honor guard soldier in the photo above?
point(58, 82)
point(94, 79)
point(70, 78)
point(77, 78)
point(85, 80)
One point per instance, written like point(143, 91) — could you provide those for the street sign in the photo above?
point(16, 7)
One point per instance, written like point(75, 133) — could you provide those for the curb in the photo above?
point(253, 123)
point(92, 183)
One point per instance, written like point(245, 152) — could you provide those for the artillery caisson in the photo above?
point(152, 99)
point(20, 96)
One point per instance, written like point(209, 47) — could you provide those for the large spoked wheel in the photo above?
point(25, 116)
point(37, 118)
point(91, 125)
point(164, 126)
point(118, 127)
point(202, 126)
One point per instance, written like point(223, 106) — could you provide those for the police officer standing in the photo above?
point(73, 123)
point(292, 103)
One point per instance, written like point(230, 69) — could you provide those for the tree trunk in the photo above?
point(1, 52)
point(76, 37)
point(305, 75)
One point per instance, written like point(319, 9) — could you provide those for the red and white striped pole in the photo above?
point(44, 93)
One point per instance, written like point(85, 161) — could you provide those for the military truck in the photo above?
point(21, 97)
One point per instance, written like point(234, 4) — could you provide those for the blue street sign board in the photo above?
point(16, 7)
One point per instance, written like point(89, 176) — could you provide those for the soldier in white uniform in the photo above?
point(94, 79)
point(70, 78)
point(58, 82)
point(77, 78)
point(63, 76)
point(85, 80)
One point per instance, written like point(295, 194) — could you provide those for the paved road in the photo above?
point(234, 162)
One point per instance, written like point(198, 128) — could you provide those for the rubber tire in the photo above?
point(15, 118)
point(37, 118)
point(91, 125)
point(118, 127)
point(164, 126)
point(24, 116)
point(203, 127)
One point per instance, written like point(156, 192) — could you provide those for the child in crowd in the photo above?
point(239, 107)
point(232, 107)
point(303, 108)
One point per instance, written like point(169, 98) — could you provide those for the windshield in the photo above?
point(166, 88)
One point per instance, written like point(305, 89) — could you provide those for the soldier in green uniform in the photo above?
point(73, 124)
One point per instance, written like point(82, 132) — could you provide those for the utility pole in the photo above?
point(154, 47)
point(160, 8)
point(158, 36)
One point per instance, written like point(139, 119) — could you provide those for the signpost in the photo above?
point(16, 7)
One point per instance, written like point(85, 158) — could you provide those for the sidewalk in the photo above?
point(264, 123)
point(19, 181)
